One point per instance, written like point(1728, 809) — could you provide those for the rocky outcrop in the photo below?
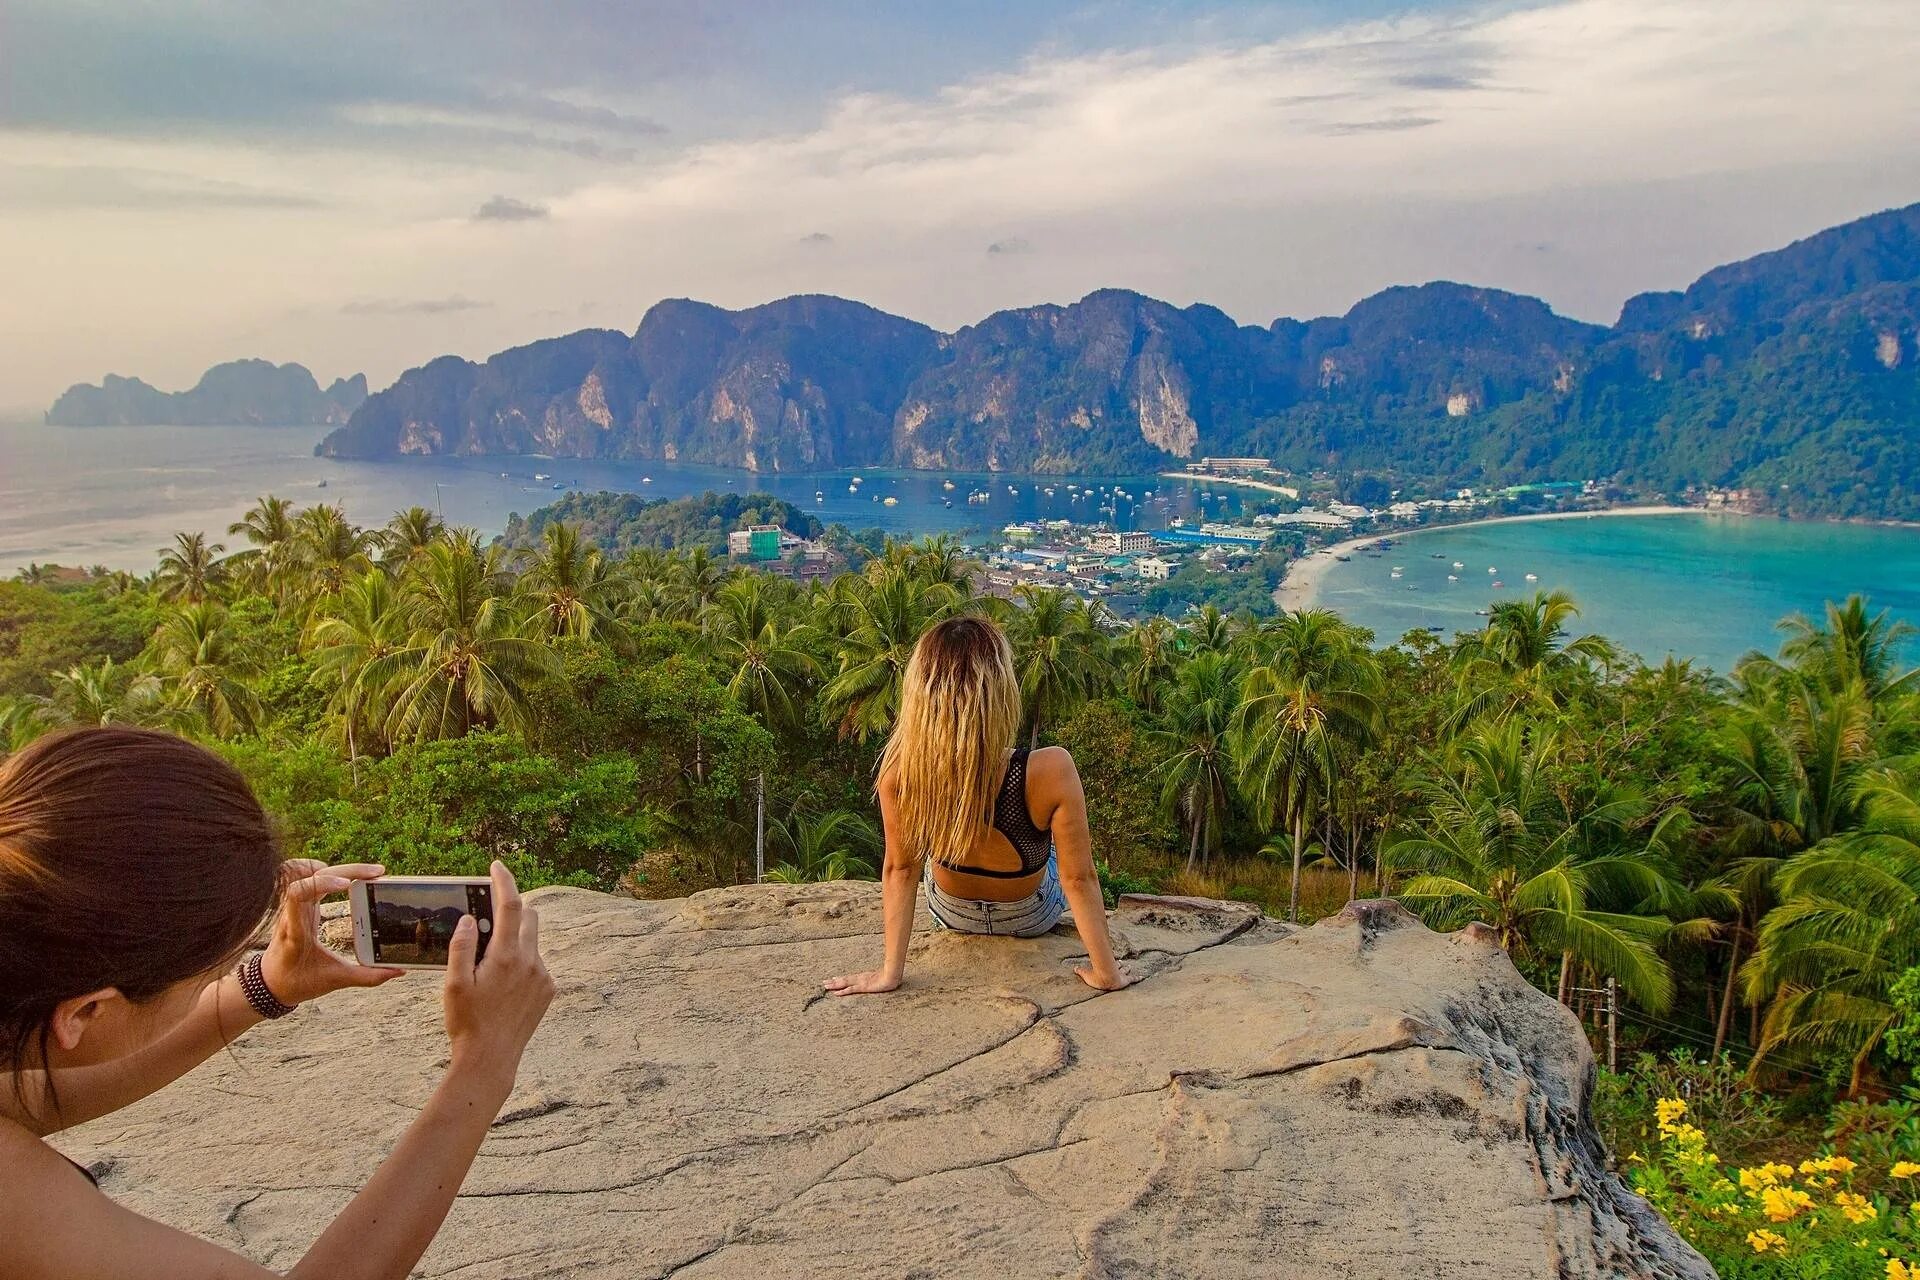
point(1362, 1098)
point(238, 393)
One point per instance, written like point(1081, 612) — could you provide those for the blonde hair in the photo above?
point(959, 714)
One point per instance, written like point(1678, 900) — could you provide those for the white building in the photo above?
point(1122, 541)
point(1153, 568)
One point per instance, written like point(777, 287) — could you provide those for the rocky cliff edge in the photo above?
point(1360, 1098)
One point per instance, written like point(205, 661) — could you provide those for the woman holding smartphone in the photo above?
point(134, 869)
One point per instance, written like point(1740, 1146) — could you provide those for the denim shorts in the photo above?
point(1027, 917)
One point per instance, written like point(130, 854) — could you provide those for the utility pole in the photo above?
point(760, 827)
point(1613, 1024)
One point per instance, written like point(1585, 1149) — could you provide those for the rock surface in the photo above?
point(1361, 1098)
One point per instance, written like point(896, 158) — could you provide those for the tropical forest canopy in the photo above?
point(1736, 854)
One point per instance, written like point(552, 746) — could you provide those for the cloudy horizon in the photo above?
point(361, 190)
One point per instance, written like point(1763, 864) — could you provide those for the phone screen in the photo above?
point(413, 923)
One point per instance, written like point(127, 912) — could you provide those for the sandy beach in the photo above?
point(1301, 586)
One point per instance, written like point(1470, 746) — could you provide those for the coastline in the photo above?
point(1301, 586)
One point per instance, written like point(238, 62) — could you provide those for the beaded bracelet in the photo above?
point(258, 993)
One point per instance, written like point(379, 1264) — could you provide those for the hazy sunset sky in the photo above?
point(361, 187)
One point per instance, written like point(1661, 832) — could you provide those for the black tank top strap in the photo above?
point(1013, 819)
point(84, 1171)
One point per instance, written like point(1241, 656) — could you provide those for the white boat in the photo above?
point(1453, 577)
point(1533, 577)
point(890, 501)
point(1458, 565)
point(1491, 569)
point(853, 488)
point(1394, 574)
point(646, 479)
point(541, 475)
point(948, 484)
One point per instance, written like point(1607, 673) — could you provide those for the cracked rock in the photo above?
point(1360, 1098)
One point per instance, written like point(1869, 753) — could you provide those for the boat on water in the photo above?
point(1438, 555)
point(946, 502)
point(946, 484)
point(1395, 573)
point(1453, 577)
point(1458, 565)
point(853, 488)
point(1491, 569)
point(890, 501)
point(1533, 577)
point(646, 479)
point(541, 475)
point(1497, 584)
point(559, 484)
point(321, 485)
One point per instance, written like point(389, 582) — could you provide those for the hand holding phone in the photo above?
point(408, 922)
point(492, 1008)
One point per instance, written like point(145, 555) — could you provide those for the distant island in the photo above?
point(1793, 377)
point(237, 393)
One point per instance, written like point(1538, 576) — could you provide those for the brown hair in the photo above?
point(129, 858)
point(959, 712)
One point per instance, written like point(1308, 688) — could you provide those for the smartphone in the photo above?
point(407, 922)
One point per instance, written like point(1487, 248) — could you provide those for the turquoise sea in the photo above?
point(1709, 587)
point(112, 495)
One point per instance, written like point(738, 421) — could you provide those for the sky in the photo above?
point(361, 187)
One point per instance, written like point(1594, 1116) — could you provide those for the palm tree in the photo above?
point(408, 534)
point(1852, 649)
point(1208, 631)
point(574, 588)
point(1522, 660)
point(1312, 692)
point(1194, 737)
point(466, 661)
point(882, 621)
point(190, 568)
point(365, 626)
point(103, 694)
point(1847, 926)
point(269, 530)
point(698, 576)
point(768, 658)
point(38, 575)
point(1148, 659)
point(331, 550)
point(1555, 877)
point(1059, 653)
point(202, 659)
point(837, 845)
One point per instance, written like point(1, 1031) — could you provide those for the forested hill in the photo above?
point(237, 393)
point(1796, 373)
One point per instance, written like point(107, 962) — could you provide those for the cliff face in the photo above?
point(1362, 1098)
point(238, 393)
point(793, 385)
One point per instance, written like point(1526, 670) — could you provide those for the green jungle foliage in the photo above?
point(1739, 853)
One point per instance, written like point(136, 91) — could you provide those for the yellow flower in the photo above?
point(1905, 1169)
point(1668, 1111)
point(1782, 1203)
point(1898, 1270)
point(1754, 1181)
point(1857, 1207)
point(1763, 1240)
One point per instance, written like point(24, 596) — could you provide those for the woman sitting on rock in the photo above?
point(135, 868)
point(998, 834)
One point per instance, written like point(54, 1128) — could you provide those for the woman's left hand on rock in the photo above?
point(297, 966)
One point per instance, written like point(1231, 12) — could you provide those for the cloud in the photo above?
point(412, 306)
point(1393, 124)
point(507, 209)
point(1012, 244)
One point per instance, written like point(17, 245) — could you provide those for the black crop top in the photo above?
point(1012, 819)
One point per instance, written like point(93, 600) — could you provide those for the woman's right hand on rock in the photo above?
point(872, 982)
point(493, 1005)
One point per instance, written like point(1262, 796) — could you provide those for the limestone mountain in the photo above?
point(1796, 372)
point(238, 393)
point(800, 383)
